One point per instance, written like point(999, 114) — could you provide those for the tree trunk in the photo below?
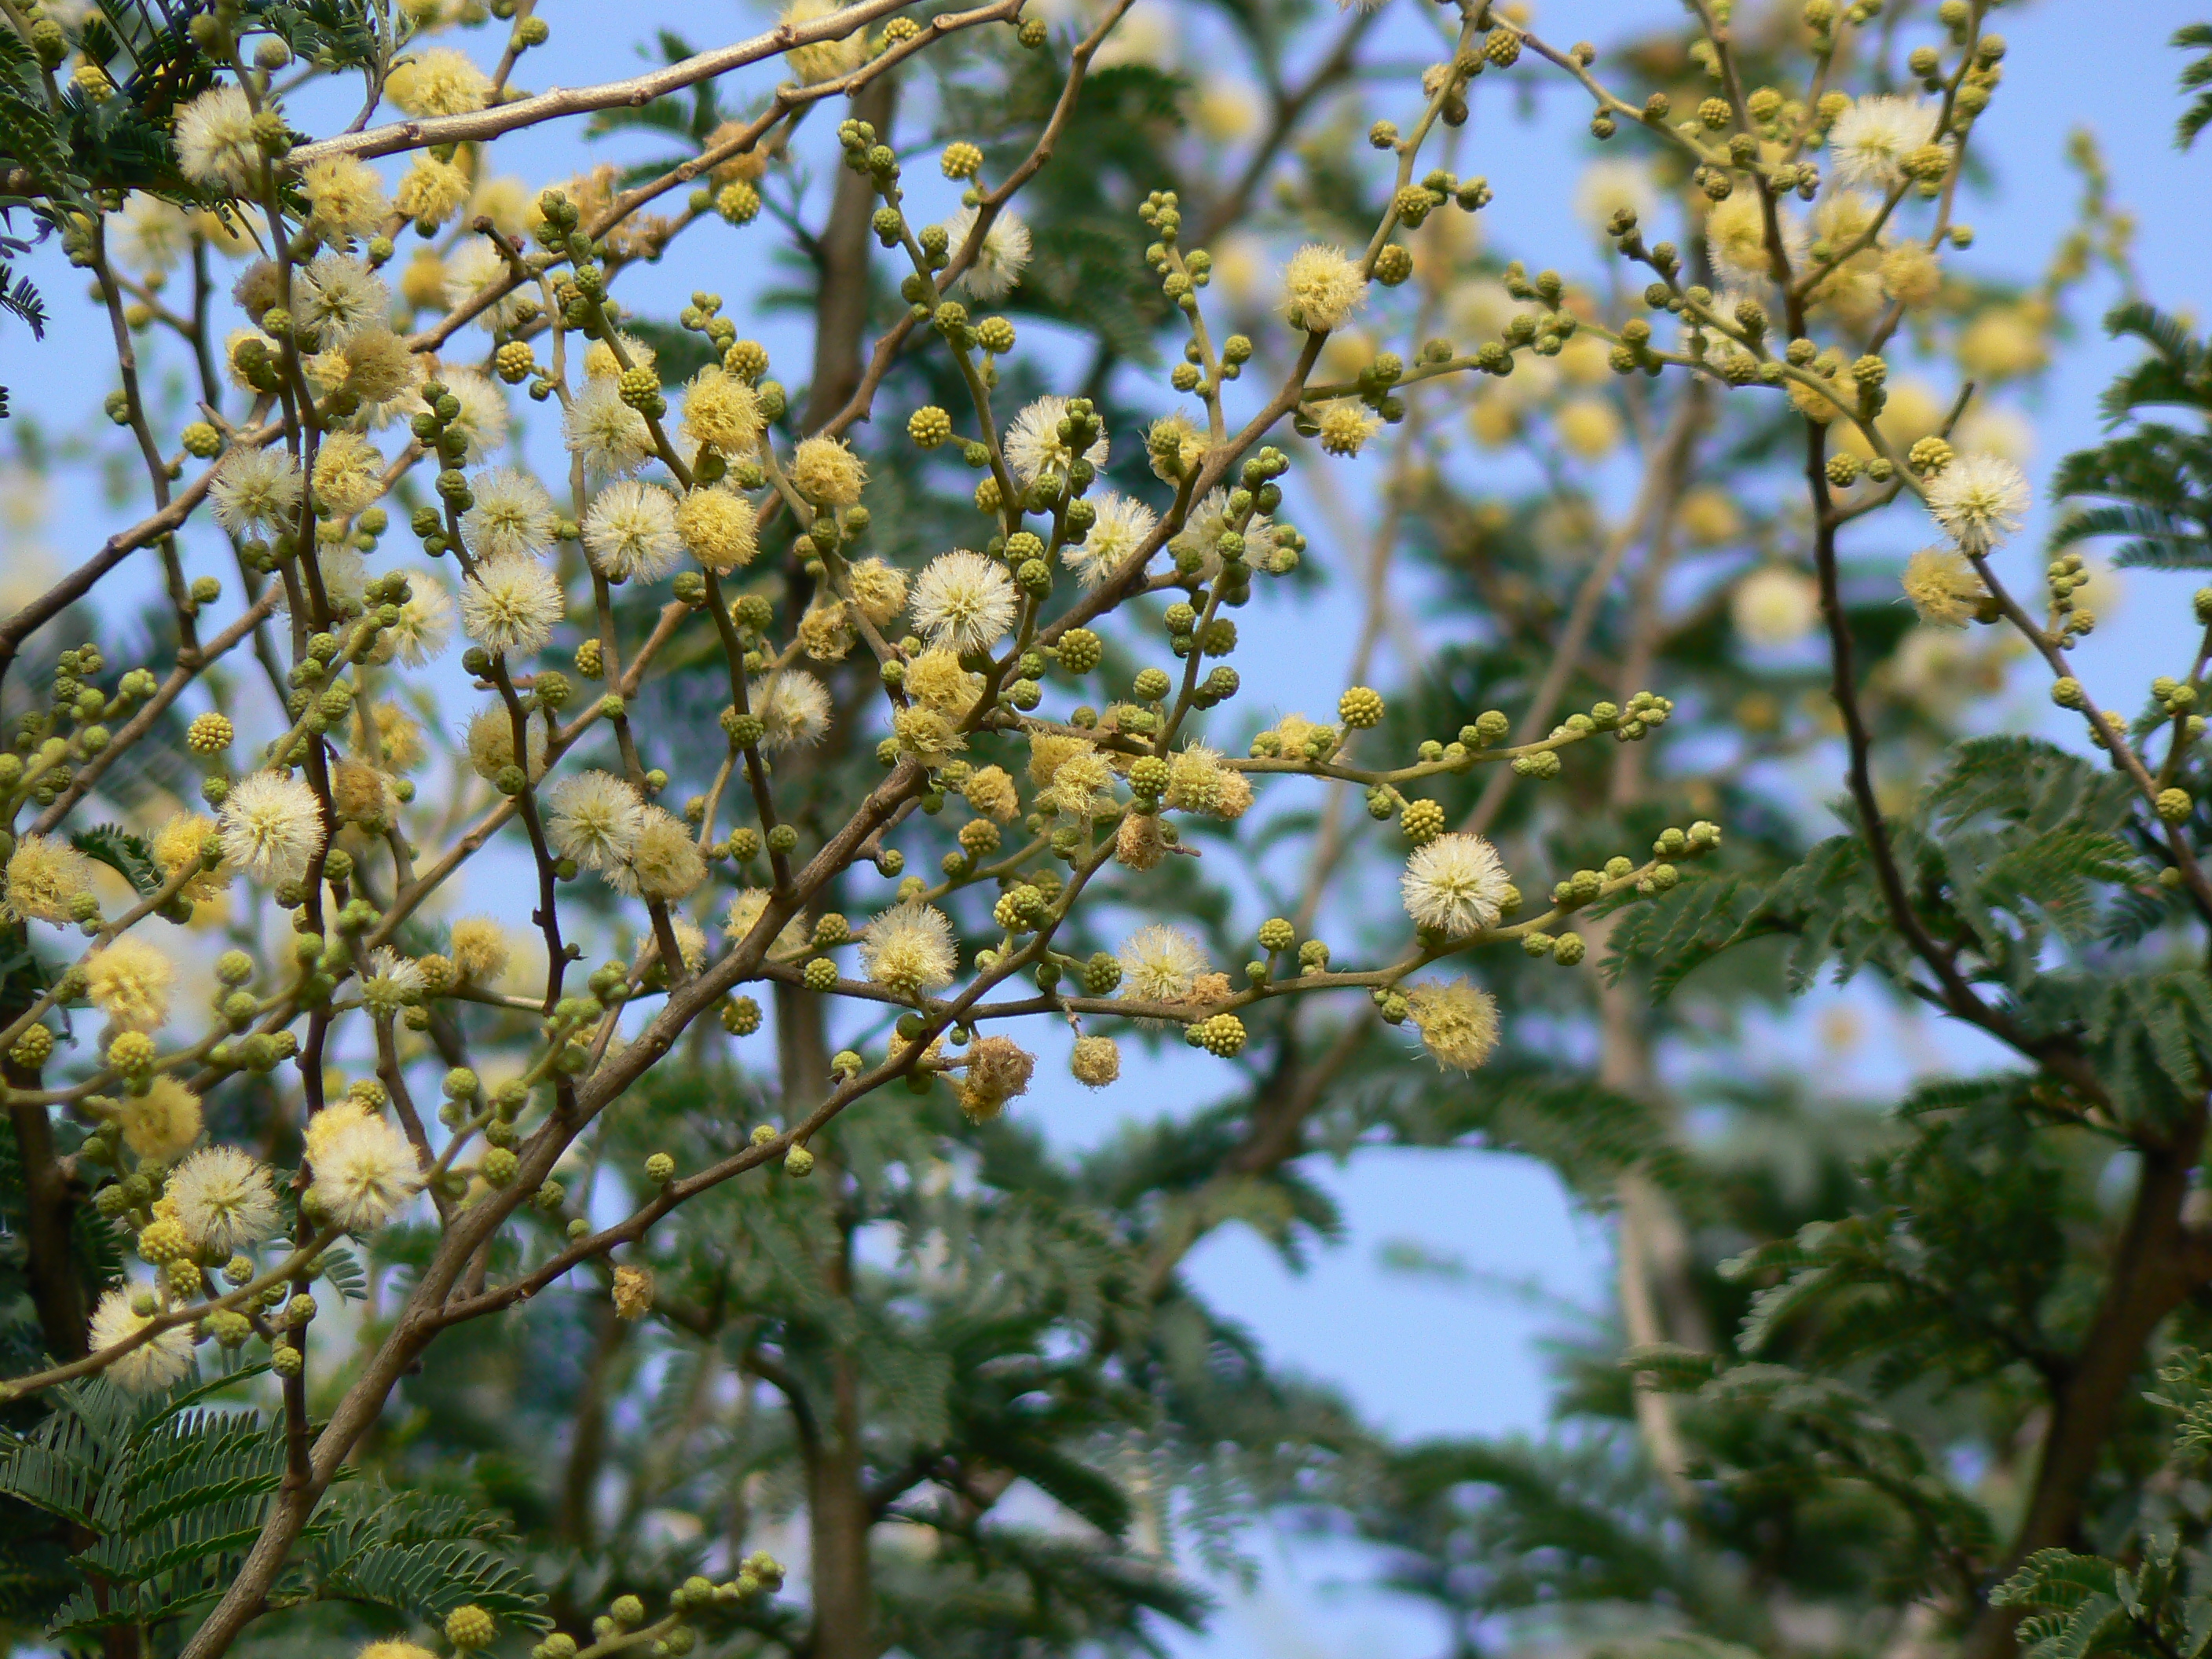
point(840, 308)
point(2147, 1282)
point(838, 1523)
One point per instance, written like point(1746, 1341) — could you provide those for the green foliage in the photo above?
point(2155, 481)
point(171, 1493)
point(2198, 76)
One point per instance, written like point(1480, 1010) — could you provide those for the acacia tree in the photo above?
point(1890, 1364)
point(786, 646)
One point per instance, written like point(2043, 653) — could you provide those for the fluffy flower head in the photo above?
point(664, 863)
point(1774, 606)
point(612, 437)
point(1034, 446)
point(271, 826)
point(45, 876)
point(345, 198)
point(1321, 288)
point(1160, 964)
point(256, 489)
point(130, 981)
point(215, 140)
point(999, 262)
point(593, 818)
point(153, 1364)
point(964, 601)
point(827, 473)
point(792, 705)
point(441, 81)
point(1873, 136)
point(1457, 1021)
point(720, 528)
point(511, 605)
point(1979, 500)
point(342, 296)
point(1455, 885)
point(224, 1199)
point(478, 269)
point(910, 948)
point(630, 531)
point(1942, 587)
point(159, 1125)
point(721, 410)
point(365, 1171)
point(511, 514)
point(349, 474)
point(1120, 529)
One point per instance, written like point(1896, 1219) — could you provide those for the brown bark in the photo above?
point(837, 1516)
point(56, 1289)
point(587, 1440)
point(841, 309)
point(2151, 1271)
point(838, 1513)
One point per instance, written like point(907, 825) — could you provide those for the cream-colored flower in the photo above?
point(1034, 446)
point(1871, 139)
point(46, 875)
point(1774, 607)
point(793, 707)
point(511, 605)
point(1321, 288)
point(161, 1125)
point(129, 979)
point(365, 1171)
point(345, 197)
point(1942, 587)
point(1160, 964)
point(1120, 530)
point(964, 602)
point(629, 532)
point(1979, 500)
point(1454, 885)
point(154, 1364)
point(910, 948)
point(593, 818)
point(215, 140)
point(256, 490)
point(511, 514)
point(1457, 1021)
point(440, 82)
point(224, 1199)
point(999, 261)
point(271, 826)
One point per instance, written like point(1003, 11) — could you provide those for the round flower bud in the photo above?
point(1360, 707)
point(2174, 805)
point(209, 733)
point(741, 1016)
point(798, 1162)
point(498, 1167)
point(131, 1052)
point(1151, 684)
point(739, 203)
point(32, 1049)
point(2067, 692)
point(286, 1361)
point(1276, 935)
point(469, 1626)
point(929, 426)
point(1422, 821)
point(1222, 1035)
